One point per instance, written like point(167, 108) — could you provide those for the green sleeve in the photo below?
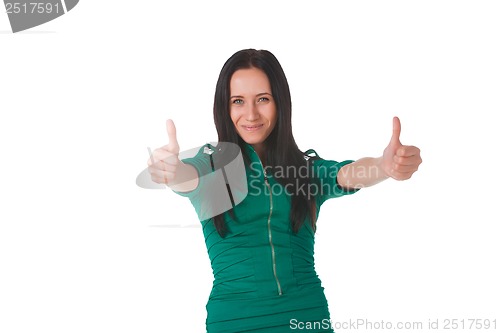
point(211, 196)
point(325, 179)
point(203, 165)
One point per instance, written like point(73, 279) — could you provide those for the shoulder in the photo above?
point(323, 167)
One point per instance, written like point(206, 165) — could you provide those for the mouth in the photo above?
point(253, 127)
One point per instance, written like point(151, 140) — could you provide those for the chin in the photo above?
point(252, 141)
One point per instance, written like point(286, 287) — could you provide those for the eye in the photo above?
point(237, 101)
point(263, 99)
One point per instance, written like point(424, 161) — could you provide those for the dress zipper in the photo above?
point(269, 230)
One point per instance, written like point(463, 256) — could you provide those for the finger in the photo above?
point(155, 172)
point(162, 166)
point(171, 160)
point(173, 145)
point(396, 131)
point(169, 176)
point(159, 174)
point(401, 175)
point(405, 168)
point(410, 160)
point(406, 151)
point(163, 154)
point(159, 179)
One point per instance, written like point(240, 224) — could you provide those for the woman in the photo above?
point(262, 248)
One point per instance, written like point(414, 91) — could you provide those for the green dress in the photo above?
point(264, 275)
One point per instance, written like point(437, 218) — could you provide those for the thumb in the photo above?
point(173, 145)
point(396, 132)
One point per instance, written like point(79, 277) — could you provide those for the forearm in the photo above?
point(186, 178)
point(364, 172)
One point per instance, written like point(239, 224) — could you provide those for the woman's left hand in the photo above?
point(399, 161)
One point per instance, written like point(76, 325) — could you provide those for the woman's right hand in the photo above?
point(164, 161)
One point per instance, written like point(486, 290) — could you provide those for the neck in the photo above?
point(261, 152)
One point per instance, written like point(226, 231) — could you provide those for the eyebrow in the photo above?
point(263, 93)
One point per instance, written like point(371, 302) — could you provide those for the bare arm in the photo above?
point(398, 162)
point(186, 178)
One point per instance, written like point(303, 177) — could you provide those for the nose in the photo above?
point(252, 113)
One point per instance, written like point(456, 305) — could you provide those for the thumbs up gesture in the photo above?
point(164, 161)
point(399, 161)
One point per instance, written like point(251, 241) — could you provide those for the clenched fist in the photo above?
point(399, 161)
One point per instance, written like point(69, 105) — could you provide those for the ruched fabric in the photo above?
point(264, 275)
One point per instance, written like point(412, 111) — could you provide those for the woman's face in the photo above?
point(252, 106)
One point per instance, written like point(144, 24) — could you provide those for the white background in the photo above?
point(83, 249)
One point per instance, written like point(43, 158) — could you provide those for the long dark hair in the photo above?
point(281, 149)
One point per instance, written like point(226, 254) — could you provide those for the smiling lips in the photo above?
point(253, 127)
